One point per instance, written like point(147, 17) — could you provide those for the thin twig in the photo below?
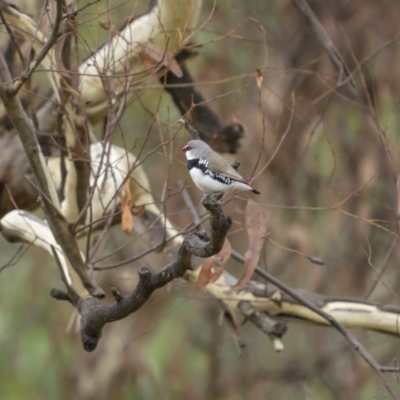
point(283, 137)
point(15, 257)
point(326, 41)
point(382, 268)
point(12, 37)
point(189, 204)
point(365, 60)
point(25, 75)
point(189, 128)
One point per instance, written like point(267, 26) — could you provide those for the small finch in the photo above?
point(210, 172)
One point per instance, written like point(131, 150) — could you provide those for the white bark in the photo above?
point(167, 26)
point(351, 314)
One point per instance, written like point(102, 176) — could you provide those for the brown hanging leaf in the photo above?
point(256, 226)
point(148, 63)
point(125, 199)
point(213, 267)
point(259, 78)
point(161, 56)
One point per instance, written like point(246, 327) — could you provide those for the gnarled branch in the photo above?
point(199, 244)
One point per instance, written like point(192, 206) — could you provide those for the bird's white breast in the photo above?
point(206, 183)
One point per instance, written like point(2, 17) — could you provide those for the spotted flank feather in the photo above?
point(202, 165)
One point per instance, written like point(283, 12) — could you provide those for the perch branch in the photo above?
point(199, 244)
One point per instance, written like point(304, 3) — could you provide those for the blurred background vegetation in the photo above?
point(176, 347)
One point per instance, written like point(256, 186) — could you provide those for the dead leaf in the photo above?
point(127, 205)
point(213, 267)
point(259, 78)
point(125, 199)
point(161, 56)
point(256, 226)
point(148, 63)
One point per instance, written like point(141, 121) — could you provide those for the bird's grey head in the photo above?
point(196, 149)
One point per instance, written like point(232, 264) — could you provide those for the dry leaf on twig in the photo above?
point(212, 267)
point(256, 226)
point(149, 63)
point(259, 78)
point(125, 199)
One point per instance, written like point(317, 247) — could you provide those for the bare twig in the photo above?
point(12, 37)
point(189, 128)
point(382, 268)
point(189, 204)
point(275, 330)
point(15, 257)
point(326, 41)
point(275, 152)
point(346, 333)
point(365, 60)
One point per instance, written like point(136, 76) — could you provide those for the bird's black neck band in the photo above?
point(194, 163)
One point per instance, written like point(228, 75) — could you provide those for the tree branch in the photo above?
point(198, 244)
point(332, 321)
point(275, 330)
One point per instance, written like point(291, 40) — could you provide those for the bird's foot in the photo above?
point(212, 198)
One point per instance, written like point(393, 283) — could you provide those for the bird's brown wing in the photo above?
point(218, 164)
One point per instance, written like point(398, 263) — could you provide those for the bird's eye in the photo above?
point(189, 148)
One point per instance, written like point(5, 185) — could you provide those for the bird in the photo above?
point(210, 172)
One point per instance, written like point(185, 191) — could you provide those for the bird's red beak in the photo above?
point(185, 149)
